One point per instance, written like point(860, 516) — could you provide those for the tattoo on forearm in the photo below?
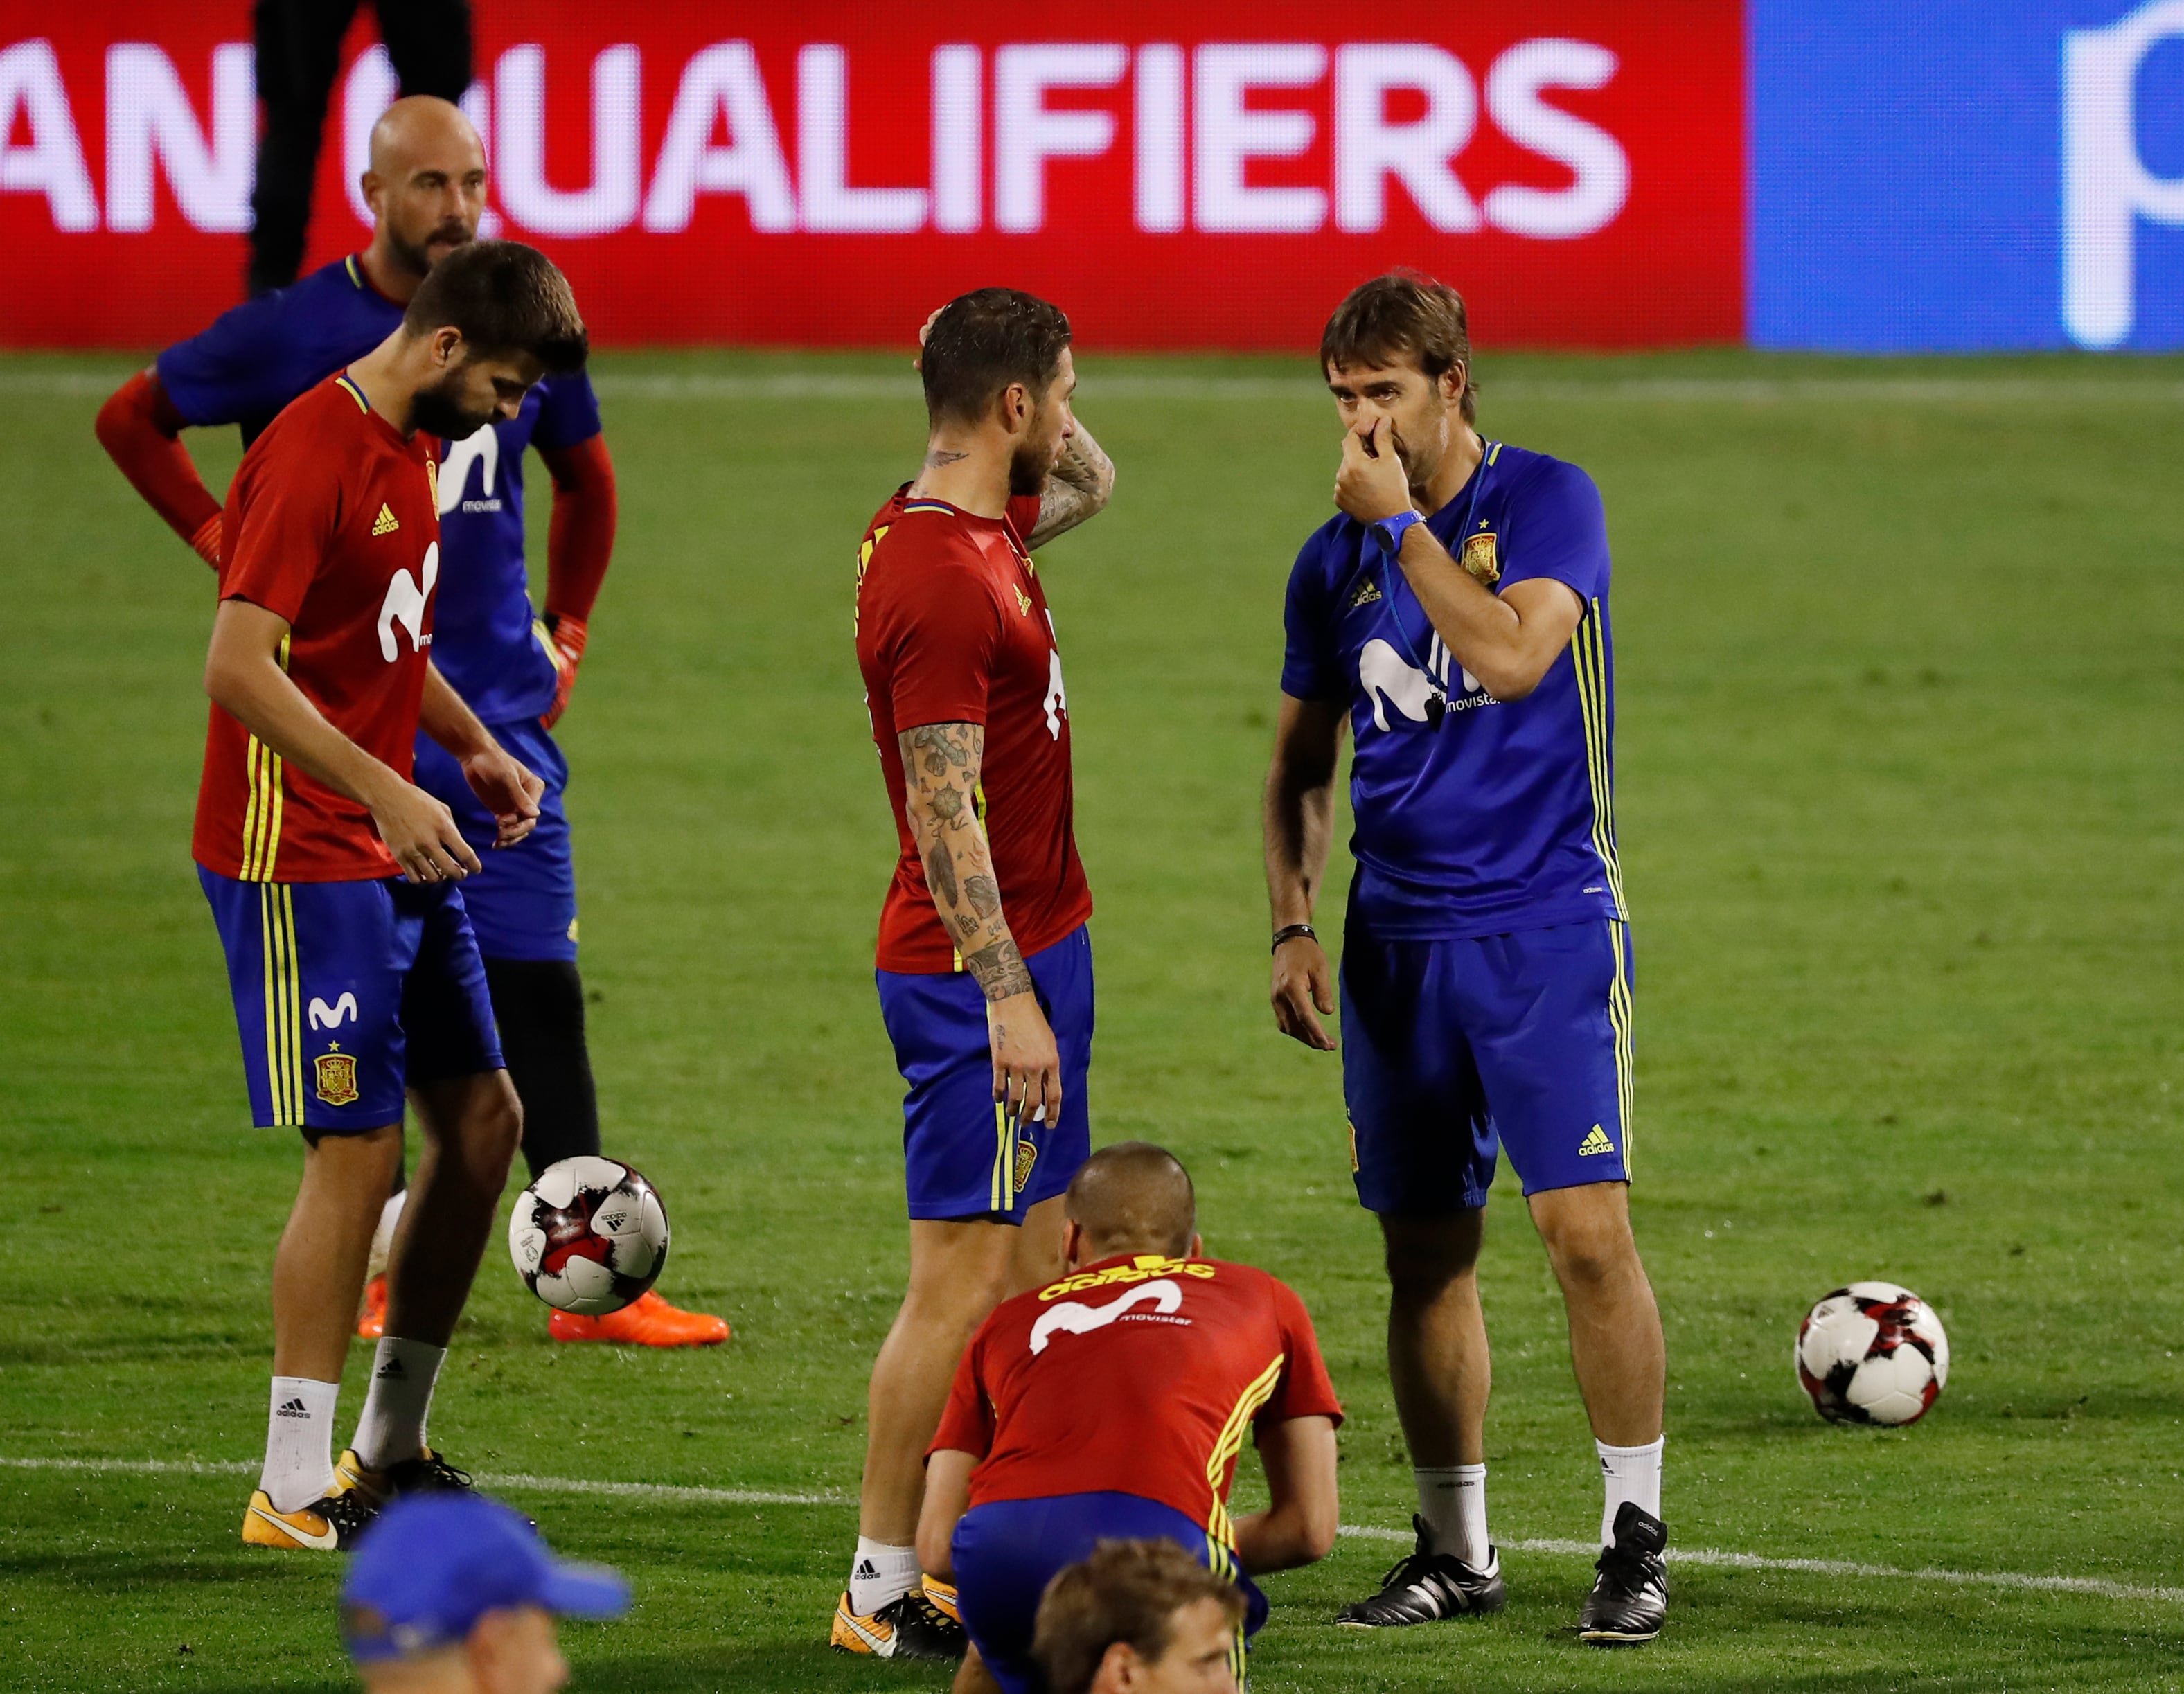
point(985, 894)
point(947, 803)
point(999, 969)
point(1083, 479)
point(940, 872)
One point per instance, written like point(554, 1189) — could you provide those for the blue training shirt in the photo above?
point(257, 357)
point(1501, 819)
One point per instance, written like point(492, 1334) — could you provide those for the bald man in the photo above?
point(426, 188)
point(1112, 1405)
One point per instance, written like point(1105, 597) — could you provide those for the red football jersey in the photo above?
point(334, 524)
point(1136, 1375)
point(952, 627)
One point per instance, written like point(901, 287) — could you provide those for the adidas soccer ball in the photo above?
point(1872, 1353)
point(589, 1235)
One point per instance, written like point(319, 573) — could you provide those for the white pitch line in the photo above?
point(835, 385)
point(750, 1497)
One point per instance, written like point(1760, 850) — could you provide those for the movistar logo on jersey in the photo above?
point(1388, 679)
point(405, 604)
point(1074, 1318)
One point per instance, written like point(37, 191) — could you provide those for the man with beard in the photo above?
point(332, 876)
point(984, 966)
point(1454, 617)
point(426, 188)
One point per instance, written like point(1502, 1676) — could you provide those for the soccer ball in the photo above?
point(589, 1235)
point(1872, 1353)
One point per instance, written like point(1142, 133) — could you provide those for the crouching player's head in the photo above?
point(1139, 1618)
point(456, 1594)
point(1132, 1197)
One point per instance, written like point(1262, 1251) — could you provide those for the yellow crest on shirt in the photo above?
point(1480, 559)
point(432, 480)
point(1027, 1157)
point(337, 1077)
point(1023, 602)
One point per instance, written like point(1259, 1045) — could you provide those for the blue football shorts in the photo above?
point(1454, 1049)
point(1006, 1552)
point(346, 993)
point(961, 1158)
point(522, 900)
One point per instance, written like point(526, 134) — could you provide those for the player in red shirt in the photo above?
point(1113, 1405)
point(985, 967)
point(353, 969)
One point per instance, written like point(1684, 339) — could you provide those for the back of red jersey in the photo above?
point(1137, 1375)
point(333, 525)
point(952, 627)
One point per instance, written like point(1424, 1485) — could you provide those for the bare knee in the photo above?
point(1426, 1257)
point(1589, 1244)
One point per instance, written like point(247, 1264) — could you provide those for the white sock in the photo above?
point(1453, 1500)
point(392, 1426)
point(383, 1238)
point(881, 1573)
point(299, 1442)
point(1630, 1474)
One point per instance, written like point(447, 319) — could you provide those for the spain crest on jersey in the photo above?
point(1027, 1157)
point(1480, 559)
point(337, 1077)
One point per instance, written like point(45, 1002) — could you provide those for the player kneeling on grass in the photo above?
point(1139, 1618)
point(456, 1594)
point(333, 876)
point(1112, 1405)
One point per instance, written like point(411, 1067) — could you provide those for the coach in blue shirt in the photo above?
point(1455, 616)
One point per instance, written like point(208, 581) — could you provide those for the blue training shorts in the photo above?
point(346, 993)
point(1451, 1049)
point(522, 900)
point(1007, 1550)
point(961, 1157)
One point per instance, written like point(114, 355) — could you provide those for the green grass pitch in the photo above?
point(1902, 807)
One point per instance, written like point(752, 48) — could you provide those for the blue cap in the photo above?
point(434, 1563)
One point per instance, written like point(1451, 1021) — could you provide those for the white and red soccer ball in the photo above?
point(1872, 1353)
point(589, 1235)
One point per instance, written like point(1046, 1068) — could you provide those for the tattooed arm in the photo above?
point(940, 768)
point(1081, 484)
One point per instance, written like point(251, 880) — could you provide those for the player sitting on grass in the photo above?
point(1113, 1405)
point(456, 1594)
point(332, 876)
point(1138, 1617)
point(426, 188)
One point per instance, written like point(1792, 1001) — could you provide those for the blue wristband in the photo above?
point(1388, 532)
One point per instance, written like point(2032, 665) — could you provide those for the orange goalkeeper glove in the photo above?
point(565, 637)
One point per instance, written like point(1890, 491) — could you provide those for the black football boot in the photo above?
point(1630, 1598)
point(1425, 1586)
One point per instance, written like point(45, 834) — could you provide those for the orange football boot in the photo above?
point(372, 1319)
point(647, 1321)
